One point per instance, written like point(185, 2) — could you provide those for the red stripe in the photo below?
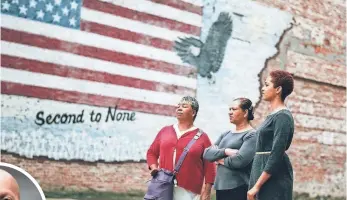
point(93, 52)
point(126, 35)
point(181, 5)
point(83, 98)
point(84, 74)
point(140, 16)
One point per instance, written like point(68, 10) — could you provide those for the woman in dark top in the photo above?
point(234, 151)
point(272, 173)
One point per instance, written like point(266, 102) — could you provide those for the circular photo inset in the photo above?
point(17, 184)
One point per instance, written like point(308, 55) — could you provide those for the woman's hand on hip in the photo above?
point(251, 193)
point(154, 170)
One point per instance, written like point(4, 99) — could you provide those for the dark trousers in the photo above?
point(239, 193)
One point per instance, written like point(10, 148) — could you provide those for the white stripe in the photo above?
point(131, 25)
point(90, 39)
point(146, 122)
point(160, 10)
point(146, 125)
point(125, 139)
point(72, 60)
point(16, 107)
point(89, 87)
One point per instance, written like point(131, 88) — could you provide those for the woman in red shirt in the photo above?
point(196, 175)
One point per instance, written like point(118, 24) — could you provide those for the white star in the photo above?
point(15, 2)
point(23, 10)
point(73, 5)
point(56, 18)
point(65, 11)
point(72, 21)
point(5, 6)
point(32, 4)
point(40, 14)
point(57, 2)
point(49, 7)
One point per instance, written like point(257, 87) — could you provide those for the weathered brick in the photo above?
point(316, 109)
point(323, 123)
point(316, 69)
point(120, 177)
point(308, 31)
point(321, 12)
point(322, 137)
point(316, 168)
point(318, 93)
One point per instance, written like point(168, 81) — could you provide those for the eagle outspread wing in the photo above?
point(217, 39)
point(183, 49)
point(212, 52)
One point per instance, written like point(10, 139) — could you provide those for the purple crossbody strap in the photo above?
point(185, 151)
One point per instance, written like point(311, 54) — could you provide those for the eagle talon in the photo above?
point(211, 79)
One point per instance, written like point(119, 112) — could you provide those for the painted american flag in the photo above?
point(99, 52)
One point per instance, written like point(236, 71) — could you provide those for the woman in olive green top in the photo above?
point(272, 173)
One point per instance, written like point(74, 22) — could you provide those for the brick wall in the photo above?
point(314, 50)
point(80, 175)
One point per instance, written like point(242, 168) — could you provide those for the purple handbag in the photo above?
point(161, 186)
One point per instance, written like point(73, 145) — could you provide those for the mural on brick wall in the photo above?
point(256, 30)
point(96, 80)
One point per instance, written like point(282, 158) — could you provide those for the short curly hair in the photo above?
point(285, 80)
point(193, 103)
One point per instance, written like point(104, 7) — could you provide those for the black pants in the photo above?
point(239, 193)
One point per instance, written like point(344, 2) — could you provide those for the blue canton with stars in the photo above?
point(65, 13)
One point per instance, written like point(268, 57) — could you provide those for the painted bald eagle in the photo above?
point(210, 58)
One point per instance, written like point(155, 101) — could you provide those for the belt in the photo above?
point(264, 152)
